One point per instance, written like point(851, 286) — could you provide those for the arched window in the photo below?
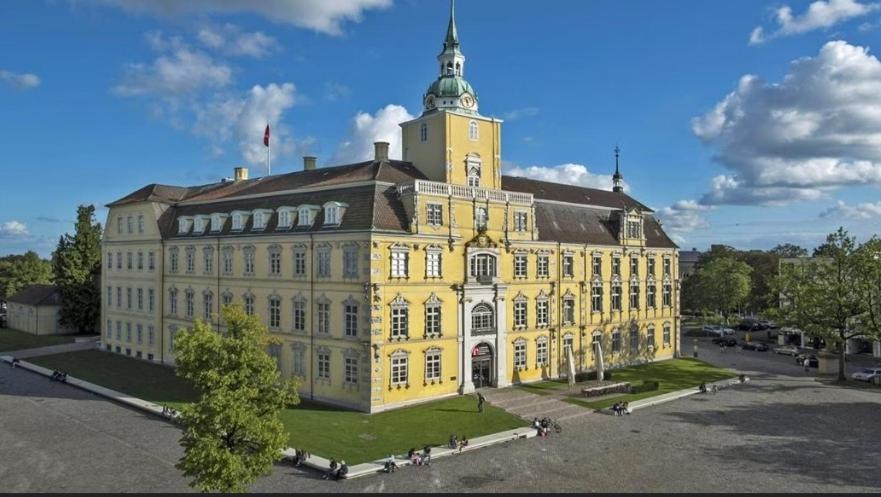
point(423, 133)
point(450, 68)
point(483, 265)
point(482, 319)
point(458, 69)
point(473, 131)
point(474, 177)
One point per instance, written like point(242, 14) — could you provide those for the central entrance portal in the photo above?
point(482, 365)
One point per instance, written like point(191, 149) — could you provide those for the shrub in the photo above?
point(592, 375)
point(646, 386)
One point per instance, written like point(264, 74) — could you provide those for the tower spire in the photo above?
point(452, 39)
point(617, 178)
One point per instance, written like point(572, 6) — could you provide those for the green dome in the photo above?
point(451, 87)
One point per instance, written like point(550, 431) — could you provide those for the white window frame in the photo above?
point(400, 262)
point(541, 351)
point(400, 365)
point(520, 354)
point(433, 262)
point(433, 365)
point(434, 214)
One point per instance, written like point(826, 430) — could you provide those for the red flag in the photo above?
point(266, 136)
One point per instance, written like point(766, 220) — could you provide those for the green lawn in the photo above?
point(546, 387)
point(675, 374)
point(19, 340)
point(323, 430)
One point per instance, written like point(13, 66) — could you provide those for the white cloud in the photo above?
point(325, 16)
point(179, 72)
point(816, 130)
point(572, 174)
point(334, 91)
point(14, 229)
point(230, 40)
point(518, 113)
point(242, 119)
point(820, 15)
point(19, 81)
point(368, 128)
point(683, 216)
point(841, 209)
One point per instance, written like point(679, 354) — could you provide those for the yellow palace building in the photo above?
point(393, 282)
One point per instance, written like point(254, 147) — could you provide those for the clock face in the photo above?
point(429, 102)
point(467, 101)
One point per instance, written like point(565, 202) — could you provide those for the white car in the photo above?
point(866, 374)
point(786, 349)
point(718, 330)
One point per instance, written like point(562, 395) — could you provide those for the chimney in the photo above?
point(240, 173)
point(380, 151)
point(309, 163)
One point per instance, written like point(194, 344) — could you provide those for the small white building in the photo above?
point(37, 310)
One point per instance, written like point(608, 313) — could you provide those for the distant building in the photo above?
point(688, 259)
point(37, 310)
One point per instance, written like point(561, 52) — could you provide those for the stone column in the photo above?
point(501, 341)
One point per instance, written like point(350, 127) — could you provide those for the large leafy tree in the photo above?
point(77, 267)
point(20, 271)
point(789, 250)
point(721, 285)
point(764, 265)
point(827, 295)
point(869, 262)
point(233, 432)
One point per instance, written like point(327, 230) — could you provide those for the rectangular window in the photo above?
point(139, 336)
point(399, 370)
point(151, 260)
point(520, 314)
point(274, 263)
point(191, 260)
point(433, 365)
point(400, 316)
point(650, 295)
point(151, 335)
point(140, 299)
point(351, 320)
point(172, 334)
point(128, 298)
point(140, 223)
point(634, 266)
point(351, 370)
point(299, 315)
point(666, 266)
point(208, 260)
point(109, 330)
point(433, 264)
point(541, 352)
point(432, 319)
point(119, 260)
point(172, 258)
point(140, 261)
point(207, 306)
point(568, 311)
point(129, 258)
point(541, 313)
point(616, 296)
point(119, 225)
point(227, 261)
point(650, 270)
point(520, 354)
point(274, 313)
point(481, 217)
point(190, 298)
point(633, 229)
point(130, 224)
point(128, 332)
point(616, 341)
point(542, 270)
point(597, 265)
point(324, 365)
point(668, 295)
point(249, 305)
point(666, 335)
point(299, 366)
point(520, 268)
point(521, 221)
point(634, 341)
point(616, 266)
point(109, 260)
point(300, 263)
point(324, 263)
point(568, 266)
point(119, 330)
point(350, 262)
point(119, 297)
point(109, 296)
point(249, 261)
point(596, 298)
point(634, 295)
point(650, 337)
point(172, 302)
point(399, 264)
point(323, 317)
point(435, 215)
point(284, 219)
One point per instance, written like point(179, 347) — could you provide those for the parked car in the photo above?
point(726, 341)
point(768, 324)
point(757, 346)
point(813, 362)
point(786, 350)
point(866, 374)
point(718, 330)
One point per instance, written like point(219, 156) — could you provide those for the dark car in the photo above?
point(813, 362)
point(726, 341)
point(757, 346)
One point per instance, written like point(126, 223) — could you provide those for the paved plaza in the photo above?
point(780, 432)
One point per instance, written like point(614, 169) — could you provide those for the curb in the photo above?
point(315, 462)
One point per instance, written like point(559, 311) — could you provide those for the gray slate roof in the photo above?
point(37, 295)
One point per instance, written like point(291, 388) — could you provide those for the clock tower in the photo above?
point(451, 142)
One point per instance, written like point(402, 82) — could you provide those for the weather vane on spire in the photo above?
point(617, 178)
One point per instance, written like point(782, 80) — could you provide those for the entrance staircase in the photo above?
point(529, 405)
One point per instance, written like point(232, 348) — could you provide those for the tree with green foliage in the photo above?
point(77, 267)
point(233, 432)
point(20, 271)
point(789, 250)
point(869, 262)
point(827, 296)
point(721, 285)
point(764, 267)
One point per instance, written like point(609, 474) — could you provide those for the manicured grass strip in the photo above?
point(151, 382)
point(546, 387)
point(327, 431)
point(675, 374)
point(358, 437)
point(19, 340)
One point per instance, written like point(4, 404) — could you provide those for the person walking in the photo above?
point(480, 401)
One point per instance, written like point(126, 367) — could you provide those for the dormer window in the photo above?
point(306, 215)
point(199, 224)
point(333, 213)
point(634, 229)
point(217, 221)
point(239, 219)
point(183, 224)
point(285, 218)
point(261, 217)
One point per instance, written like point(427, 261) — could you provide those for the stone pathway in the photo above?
point(54, 349)
point(529, 405)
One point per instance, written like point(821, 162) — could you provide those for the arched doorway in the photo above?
point(482, 365)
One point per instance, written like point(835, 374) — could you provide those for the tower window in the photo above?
point(473, 131)
point(423, 133)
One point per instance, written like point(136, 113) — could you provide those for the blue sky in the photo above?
point(98, 98)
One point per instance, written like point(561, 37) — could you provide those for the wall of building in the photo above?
point(37, 320)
